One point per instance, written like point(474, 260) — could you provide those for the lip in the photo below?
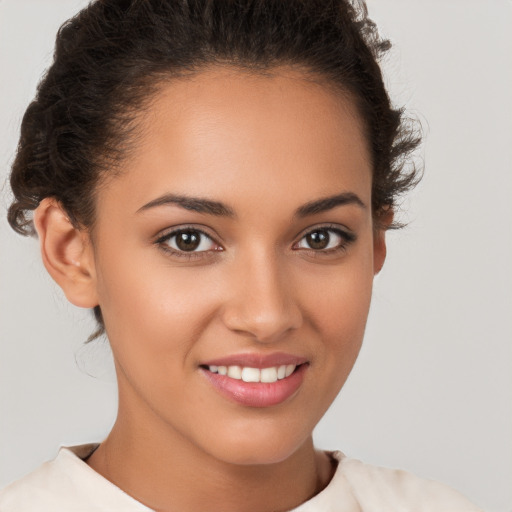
point(256, 394)
point(260, 361)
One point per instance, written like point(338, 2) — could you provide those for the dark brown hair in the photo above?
point(111, 56)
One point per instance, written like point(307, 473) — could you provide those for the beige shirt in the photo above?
point(68, 484)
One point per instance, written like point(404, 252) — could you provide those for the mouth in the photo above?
point(248, 374)
point(257, 383)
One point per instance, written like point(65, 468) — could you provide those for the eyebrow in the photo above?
point(195, 204)
point(201, 205)
point(328, 203)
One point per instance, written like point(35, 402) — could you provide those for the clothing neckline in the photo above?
point(78, 455)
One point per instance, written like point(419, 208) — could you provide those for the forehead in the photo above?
point(231, 133)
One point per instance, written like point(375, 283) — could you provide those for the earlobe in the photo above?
point(379, 251)
point(379, 240)
point(67, 253)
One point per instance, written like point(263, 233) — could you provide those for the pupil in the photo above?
point(318, 239)
point(187, 241)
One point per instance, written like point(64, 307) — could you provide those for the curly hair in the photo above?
point(110, 58)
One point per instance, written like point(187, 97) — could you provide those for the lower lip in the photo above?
point(257, 394)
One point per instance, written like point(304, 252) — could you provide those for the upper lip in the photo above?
point(253, 360)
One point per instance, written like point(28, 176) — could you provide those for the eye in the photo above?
point(187, 240)
point(325, 239)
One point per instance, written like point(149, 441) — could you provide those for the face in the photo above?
point(238, 242)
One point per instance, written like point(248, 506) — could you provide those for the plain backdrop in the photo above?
point(432, 389)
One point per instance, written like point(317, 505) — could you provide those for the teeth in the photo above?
point(247, 374)
point(251, 375)
point(268, 375)
point(235, 372)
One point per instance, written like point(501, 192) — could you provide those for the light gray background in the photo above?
point(432, 390)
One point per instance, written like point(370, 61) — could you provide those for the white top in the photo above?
point(68, 484)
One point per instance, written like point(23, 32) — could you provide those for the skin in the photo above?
point(264, 146)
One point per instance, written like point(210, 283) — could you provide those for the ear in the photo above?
point(67, 253)
point(379, 239)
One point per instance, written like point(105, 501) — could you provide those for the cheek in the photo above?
point(152, 308)
point(340, 298)
point(338, 311)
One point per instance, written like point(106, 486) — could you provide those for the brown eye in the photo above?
point(318, 239)
point(325, 239)
point(188, 240)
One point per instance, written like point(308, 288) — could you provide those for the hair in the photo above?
point(110, 58)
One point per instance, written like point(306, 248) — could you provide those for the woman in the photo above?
point(215, 180)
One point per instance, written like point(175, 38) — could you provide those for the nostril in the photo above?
point(261, 304)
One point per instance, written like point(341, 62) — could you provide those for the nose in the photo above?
point(261, 302)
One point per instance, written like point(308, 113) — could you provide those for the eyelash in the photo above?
point(163, 242)
point(347, 237)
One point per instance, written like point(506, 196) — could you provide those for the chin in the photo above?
point(258, 446)
point(256, 456)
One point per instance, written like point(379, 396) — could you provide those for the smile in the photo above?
point(256, 381)
point(248, 374)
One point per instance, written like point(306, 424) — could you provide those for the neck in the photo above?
point(163, 470)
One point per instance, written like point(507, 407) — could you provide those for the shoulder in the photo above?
point(63, 484)
point(382, 489)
